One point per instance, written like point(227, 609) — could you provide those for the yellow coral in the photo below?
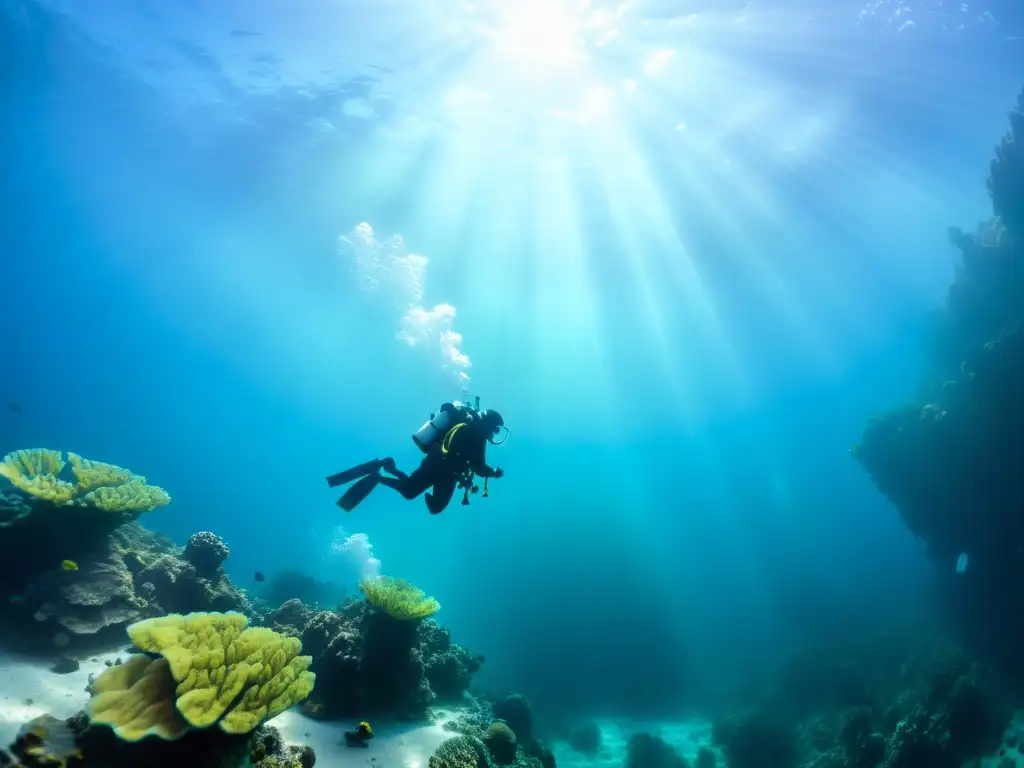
point(104, 486)
point(399, 599)
point(93, 474)
point(35, 470)
point(227, 673)
point(137, 700)
point(133, 496)
point(36, 461)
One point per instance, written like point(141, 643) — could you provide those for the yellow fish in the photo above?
point(69, 565)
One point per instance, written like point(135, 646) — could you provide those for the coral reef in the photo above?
point(516, 712)
point(36, 472)
point(206, 551)
point(503, 742)
point(489, 747)
point(951, 461)
point(940, 711)
point(46, 520)
point(500, 743)
point(371, 663)
point(75, 562)
point(449, 667)
point(460, 752)
point(132, 574)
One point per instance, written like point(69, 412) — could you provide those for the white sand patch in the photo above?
point(400, 745)
point(686, 737)
point(29, 689)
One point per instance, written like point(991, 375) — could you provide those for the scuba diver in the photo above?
point(455, 443)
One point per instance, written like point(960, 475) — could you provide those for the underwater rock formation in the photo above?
point(646, 751)
point(489, 747)
point(175, 586)
point(374, 664)
point(52, 514)
point(501, 743)
point(517, 713)
point(1006, 173)
point(132, 574)
point(946, 712)
point(371, 663)
point(952, 461)
point(449, 667)
point(755, 739)
point(206, 551)
point(585, 738)
point(478, 719)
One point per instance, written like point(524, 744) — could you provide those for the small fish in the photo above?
point(69, 565)
point(14, 406)
point(259, 576)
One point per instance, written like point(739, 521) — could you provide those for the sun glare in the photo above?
point(538, 33)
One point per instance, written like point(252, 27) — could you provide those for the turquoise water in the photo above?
point(686, 249)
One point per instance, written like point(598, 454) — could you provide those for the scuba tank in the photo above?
point(437, 426)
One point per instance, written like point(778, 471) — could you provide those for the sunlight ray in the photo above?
point(564, 288)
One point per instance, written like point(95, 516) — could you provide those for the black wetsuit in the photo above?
point(467, 449)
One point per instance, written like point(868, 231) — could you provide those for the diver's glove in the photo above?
point(499, 472)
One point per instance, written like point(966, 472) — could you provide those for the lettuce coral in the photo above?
point(399, 599)
point(104, 486)
point(227, 673)
point(34, 471)
point(137, 700)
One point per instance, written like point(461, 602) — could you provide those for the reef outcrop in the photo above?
point(371, 663)
point(952, 460)
point(131, 574)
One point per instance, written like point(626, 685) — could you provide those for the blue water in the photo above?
point(685, 278)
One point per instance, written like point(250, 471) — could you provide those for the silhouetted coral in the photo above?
point(1006, 173)
point(177, 587)
point(756, 739)
point(646, 751)
point(501, 743)
point(952, 460)
point(290, 619)
point(449, 667)
point(516, 711)
point(206, 551)
point(585, 738)
point(370, 663)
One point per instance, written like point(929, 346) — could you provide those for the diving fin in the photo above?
point(355, 473)
point(359, 491)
